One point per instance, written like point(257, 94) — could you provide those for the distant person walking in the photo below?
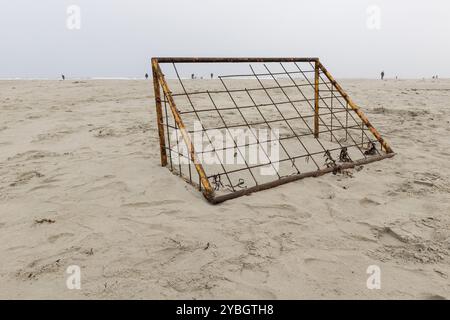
point(146, 76)
point(212, 75)
point(382, 75)
point(63, 77)
point(192, 76)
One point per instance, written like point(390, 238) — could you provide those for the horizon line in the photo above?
point(187, 78)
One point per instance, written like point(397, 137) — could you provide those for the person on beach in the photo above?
point(146, 76)
point(63, 77)
point(212, 75)
point(382, 75)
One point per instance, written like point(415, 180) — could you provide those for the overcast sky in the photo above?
point(117, 38)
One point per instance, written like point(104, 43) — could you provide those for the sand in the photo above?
point(81, 184)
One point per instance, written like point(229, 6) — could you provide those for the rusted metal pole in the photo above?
point(358, 111)
point(234, 59)
point(316, 99)
point(208, 192)
point(284, 180)
point(159, 114)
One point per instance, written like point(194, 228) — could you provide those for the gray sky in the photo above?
point(118, 37)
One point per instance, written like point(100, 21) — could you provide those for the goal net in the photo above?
point(233, 126)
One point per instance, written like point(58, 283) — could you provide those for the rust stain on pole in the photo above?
point(208, 191)
point(159, 114)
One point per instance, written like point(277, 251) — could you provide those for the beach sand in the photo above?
point(81, 184)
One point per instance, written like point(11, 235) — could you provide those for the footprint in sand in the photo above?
point(33, 155)
point(54, 238)
point(106, 189)
point(52, 136)
point(43, 186)
point(281, 207)
point(389, 237)
point(104, 132)
point(25, 177)
point(395, 245)
point(367, 202)
point(160, 227)
point(150, 204)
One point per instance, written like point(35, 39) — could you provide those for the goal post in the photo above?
point(234, 126)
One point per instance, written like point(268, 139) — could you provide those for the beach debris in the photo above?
point(331, 163)
point(343, 156)
point(89, 252)
point(45, 220)
point(239, 184)
point(217, 182)
point(371, 149)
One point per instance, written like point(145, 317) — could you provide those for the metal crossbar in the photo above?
point(275, 115)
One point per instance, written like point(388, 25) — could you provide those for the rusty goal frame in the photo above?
point(331, 111)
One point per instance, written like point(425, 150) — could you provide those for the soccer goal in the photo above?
point(234, 126)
